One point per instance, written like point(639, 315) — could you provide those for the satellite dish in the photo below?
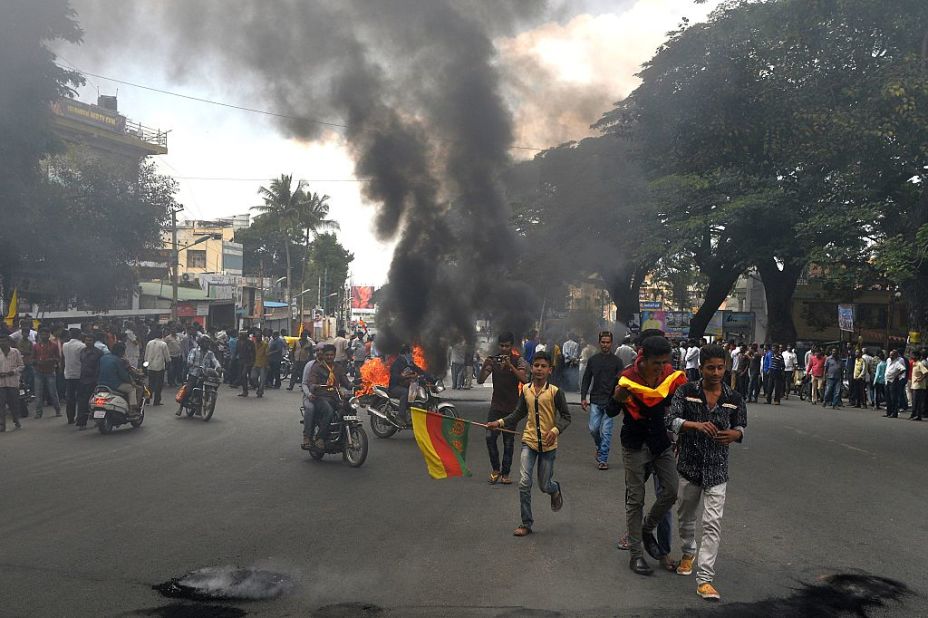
point(185, 277)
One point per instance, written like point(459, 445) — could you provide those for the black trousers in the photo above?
point(84, 391)
point(509, 440)
point(775, 384)
point(72, 385)
point(156, 382)
point(273, 374)
point(918, 402)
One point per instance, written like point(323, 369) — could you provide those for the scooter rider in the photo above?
point(403, 372)
point(324, 380)
point(309, 400)
point(199, 358)
point(117, 375)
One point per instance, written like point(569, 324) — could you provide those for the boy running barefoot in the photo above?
point(544, 407)
point(708, 416)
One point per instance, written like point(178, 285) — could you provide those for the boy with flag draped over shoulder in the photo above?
point(544, 406)
point(643, 393)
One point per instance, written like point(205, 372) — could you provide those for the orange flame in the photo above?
point(373, 373)
point(418, 357)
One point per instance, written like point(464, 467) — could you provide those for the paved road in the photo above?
point(88, 523)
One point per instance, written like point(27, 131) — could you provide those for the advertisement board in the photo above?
point(846, 318)
point(677, 323)
point(739, 325)
point(651, 305)
point(362, 297)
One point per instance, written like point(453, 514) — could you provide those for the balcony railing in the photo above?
point(146, 134)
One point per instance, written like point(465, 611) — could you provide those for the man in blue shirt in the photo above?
point(114, 374)
point(275, 355)
point(528, 349)
point(232, 375)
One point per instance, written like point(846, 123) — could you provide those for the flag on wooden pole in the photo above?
point(443, 442)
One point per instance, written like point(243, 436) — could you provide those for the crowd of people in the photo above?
point(59, 366)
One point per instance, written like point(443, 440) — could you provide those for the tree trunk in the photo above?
point(625, 287)
point(721, 282)
point(779, 286)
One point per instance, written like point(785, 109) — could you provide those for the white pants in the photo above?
point(713, 504)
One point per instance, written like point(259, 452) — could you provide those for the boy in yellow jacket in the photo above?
point(544, 407)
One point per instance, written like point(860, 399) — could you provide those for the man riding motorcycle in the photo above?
point(403, 372)
point(198, 359)
point(309, 400)
point(324, 380)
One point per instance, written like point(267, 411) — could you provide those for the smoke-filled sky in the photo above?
point(433, 98)
point(560, 68)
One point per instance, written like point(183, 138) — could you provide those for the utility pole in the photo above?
point(175, 258)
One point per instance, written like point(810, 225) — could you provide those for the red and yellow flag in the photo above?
point(443, 442)
point(648, 396)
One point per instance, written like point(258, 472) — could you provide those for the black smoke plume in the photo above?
point(417, 86)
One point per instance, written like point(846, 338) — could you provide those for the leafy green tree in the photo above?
point(264, 248)
point(327, 269)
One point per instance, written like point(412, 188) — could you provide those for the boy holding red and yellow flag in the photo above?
point(544, 406)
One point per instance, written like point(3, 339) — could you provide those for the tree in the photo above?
point(312, 216)
point(31, 81)
point(327, 269)
point(264, 248)
point(585, 209)
point(88, 226)
point(283, 205)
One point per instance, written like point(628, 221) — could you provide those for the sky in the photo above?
point(558, 78)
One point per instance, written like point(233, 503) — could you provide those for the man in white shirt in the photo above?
point(692, 361)
point(71, 351)
point(24, 326)
point(735, 363)
point(158, 358)
point(626, 352)
point(789, 368)
point(571, 352)
point(895, 384)
point(11, 367)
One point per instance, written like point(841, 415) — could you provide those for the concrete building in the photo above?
point(207, 247)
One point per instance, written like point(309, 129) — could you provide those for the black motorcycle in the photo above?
point(346, 435)
point(202, 399)
point(384, 409)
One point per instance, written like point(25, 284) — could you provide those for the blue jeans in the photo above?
point(601, 430)
point(545, 480)
point(832, 392)
point(46, 382)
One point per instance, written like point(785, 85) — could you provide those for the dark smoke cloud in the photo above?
point(417, 84)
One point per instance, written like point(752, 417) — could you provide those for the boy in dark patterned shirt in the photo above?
point(708, 416)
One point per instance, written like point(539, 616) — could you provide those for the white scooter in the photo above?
point(110, 409)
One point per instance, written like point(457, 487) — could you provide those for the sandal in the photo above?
point(603, 465)
point(505, 480)
point(668, 565)
point(494, 478)
point(623, 543)
point(521, 531)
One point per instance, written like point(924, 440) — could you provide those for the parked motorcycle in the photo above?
point(384, 409)
point(202, 400)
point(346, 435)
point(110, 409)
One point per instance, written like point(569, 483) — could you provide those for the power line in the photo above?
point(237, 179)
point(243, 108)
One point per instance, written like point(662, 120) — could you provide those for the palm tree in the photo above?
point(283, 204)
point(313, 218)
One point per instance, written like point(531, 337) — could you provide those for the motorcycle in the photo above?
point(384, 409)
point(346, 435)
point(202, 400)
point(110, 409)
point(25, 399)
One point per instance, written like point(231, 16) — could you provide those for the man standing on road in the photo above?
point(11, 367)
point(919, 385)
point(643, 393)
point(275, 356)
point(834, 375)
point(508, 371)
point(708, 416)
point(303, 352)
point(71, 351)
point(626, 353)
point(45, 359)
point(789, 370)
point(259, 368)
point(158, 358)
point(571, 353)
point(528, 348)
point(895, 384)
point(175, 367)
point(602, 374)
point(90, 371)
point(341, 350)
point(860, 380)
point(775, 374)
point(245, 352)
point(815, 370)
point(754, 373)
point(692, 361)
point(457, 365)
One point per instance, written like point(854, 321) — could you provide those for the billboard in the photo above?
point(846, 318)
point(362, 297)
point(739, 325)
point(677, 323)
